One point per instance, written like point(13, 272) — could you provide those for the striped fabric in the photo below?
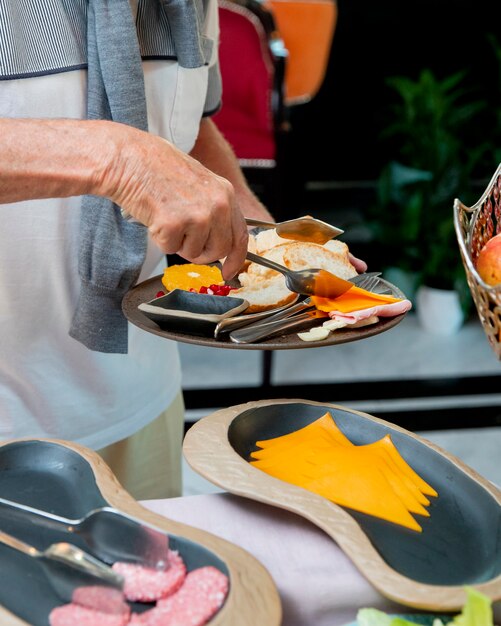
point(48, 36)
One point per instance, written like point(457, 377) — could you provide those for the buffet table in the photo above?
point(317, 583)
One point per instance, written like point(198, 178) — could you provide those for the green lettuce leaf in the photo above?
point(477, 611)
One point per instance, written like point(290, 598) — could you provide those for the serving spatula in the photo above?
point(110, 535)
point(300, 229)
point(68, 568)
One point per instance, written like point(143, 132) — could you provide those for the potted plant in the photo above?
point(413, 219)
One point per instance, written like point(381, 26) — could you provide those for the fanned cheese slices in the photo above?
point(373, 478)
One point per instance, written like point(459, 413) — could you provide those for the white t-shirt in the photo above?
point(50, 384)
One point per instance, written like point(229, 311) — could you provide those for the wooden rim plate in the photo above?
point(460, 543)
point(69, 480)
point(147, 290)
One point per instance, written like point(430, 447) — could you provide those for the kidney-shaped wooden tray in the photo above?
point(70, 480)
point(461, 540)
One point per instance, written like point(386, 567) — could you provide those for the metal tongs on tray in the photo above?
point(301, 229)
point(110, 535)
point(68, 568)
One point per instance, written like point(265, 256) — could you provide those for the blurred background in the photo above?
point(373, 117)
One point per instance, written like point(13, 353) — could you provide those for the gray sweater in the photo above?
point(112, 250)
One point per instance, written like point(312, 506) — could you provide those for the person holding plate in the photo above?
point(104, 115)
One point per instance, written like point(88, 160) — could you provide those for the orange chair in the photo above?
point(253, 115)
point(307, 28)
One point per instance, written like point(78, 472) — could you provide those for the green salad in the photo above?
point(477, 611)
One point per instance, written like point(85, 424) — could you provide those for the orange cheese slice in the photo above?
point(355, 299)
point(371, 478)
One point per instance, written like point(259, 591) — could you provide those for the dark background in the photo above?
point(336, 136)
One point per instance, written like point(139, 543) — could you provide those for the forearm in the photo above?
point(216, 154)
point(56, 158)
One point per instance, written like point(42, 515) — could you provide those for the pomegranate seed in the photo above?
point(160, 294)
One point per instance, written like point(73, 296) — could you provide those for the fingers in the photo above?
point(358, 264)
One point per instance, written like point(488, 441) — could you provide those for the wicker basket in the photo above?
point(474, 227)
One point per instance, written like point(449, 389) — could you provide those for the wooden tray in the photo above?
point(145, 291)
point(70, 480)
point(460, 543)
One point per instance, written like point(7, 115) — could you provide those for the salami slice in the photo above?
point(76, 615)
point(194, 604)
point(145, 584)
point(104, 599)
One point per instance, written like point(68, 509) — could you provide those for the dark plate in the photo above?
point(189, 312)
point(145, 291)
point(55, 478)
point(460, 542)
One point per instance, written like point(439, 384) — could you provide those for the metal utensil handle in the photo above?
point(232, 323)
point(17, 544)
point(252, 222)
point(285, 314)
point(266, 329)
point(267, 263)
point(17, 510)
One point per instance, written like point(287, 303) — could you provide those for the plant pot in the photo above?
point(439, 311)
point(405, 280)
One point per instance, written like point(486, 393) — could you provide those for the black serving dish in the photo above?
point(194, 313)
point(460, 543)
point(53, 477)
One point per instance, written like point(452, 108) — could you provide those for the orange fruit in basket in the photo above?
point(489, 261)
point(191, 276)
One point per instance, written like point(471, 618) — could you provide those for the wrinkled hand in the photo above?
point(188, 210)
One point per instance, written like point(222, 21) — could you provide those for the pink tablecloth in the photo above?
point(318, 584)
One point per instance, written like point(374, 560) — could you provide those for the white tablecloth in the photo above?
point(317, 583)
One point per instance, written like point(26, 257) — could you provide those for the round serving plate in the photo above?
point(459, 544)
point(147, 290)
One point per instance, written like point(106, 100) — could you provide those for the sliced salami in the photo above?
point(104, 599)
point(145, 584)
point(194, 604)
point(76, 615)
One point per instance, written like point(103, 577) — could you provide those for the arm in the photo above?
point(188, 209)
point(214, 151)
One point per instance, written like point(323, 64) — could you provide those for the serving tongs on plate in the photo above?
point(109, 534)
point(293, 317)
point(69, 568)
point(301, 229)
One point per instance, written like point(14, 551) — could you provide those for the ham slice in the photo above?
point(380, 310)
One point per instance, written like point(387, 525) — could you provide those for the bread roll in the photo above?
point(265, 294)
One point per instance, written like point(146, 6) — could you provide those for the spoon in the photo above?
point(68, 568)
point(309, 282)
point(109, 534)
point(301, 229)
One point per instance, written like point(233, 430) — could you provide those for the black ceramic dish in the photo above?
point(461, 540)
point(56, 479)
point(460, 543)
point(195, 313)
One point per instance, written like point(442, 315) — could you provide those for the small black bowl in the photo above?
point(190, 312)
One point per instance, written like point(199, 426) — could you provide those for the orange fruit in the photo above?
point(191, 276)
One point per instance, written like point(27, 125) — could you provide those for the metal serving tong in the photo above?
point(68, 568)
point(292, 317)
point(111, 535)
point(301, 229)
point(311, 281)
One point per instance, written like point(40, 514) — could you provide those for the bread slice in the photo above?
point(256, 272)
point(266, 239)
point(306, 255)
point(264, 295)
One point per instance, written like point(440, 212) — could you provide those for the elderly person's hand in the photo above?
point(188, 209)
